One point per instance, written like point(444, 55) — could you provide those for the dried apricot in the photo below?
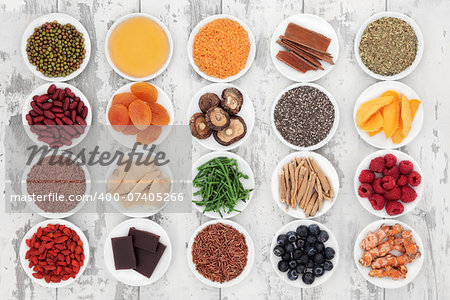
point(160, 116)
point(145, 91)
point(149, 134)
point(140, 114)
point(118, 116)
point(123, 98)
point(130, 129)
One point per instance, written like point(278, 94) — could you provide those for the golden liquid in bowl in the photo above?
point(138, 47)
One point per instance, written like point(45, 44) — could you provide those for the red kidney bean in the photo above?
point(76, 99)
point(81, 121)
point(55, 94)
point(73, 105)
point(84, 112)
point(65, 141)
point(51, 89)
point(67, 121)
point(38, 119)
point(58, 120)
point(73, 116)
point(29, 119)
point(47, 140)
point(46, 105)
point(70, 130)
point(49, 114)
point(33, 113)
point(79, 128)
point(65, 134)
point(36, 108)
point(76, 135)
point(59, 115)
point(42, 98)
point(69, 93)
point(34, 130)
point(67, 113)
point(61, 95)
point(35, 97)
point(80, 107)
point(49, 122)
point(56, 109)
point(57, 103)
point(46, 133)
point(55, 132)
point(40, 127)
point(66, 103)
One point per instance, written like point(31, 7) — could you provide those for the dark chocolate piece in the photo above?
point(123, 252)
point(147, 261)
point(144, 240)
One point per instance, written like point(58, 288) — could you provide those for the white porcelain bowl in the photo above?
point(61, 19)
point(387, 283)
point(420, 45)
point(24, 248)
point(311, 22)
point(251, 54)
point(247, 113)
point(166, 31)
point(376, 90)
point(332, 242)
point(250, 255)
point(332, 130)
point(365, 165)
point(326, 167)
point(43, 90)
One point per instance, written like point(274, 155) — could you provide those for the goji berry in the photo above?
point(38, 275)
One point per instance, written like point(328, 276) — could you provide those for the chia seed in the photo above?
point(304, 116)
point(59, 175)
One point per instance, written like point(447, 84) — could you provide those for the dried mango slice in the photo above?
point(406, 115)
point(414, 103)
point(391, 116)
point(369, 108)
point(374, 123)
point(397, 136)
point(376, 132)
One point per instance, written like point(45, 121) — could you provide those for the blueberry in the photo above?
point(289, 247)
point(314, 229)
point(292, 264)
point(319, 246)
point(310, 251)
point(323, 236)
point(297, 253)
point(308, 278)
point(292, 275)
point(301, 244)
point(282, 239)
point(304, 259)
point(302, 231)
point(291, 236)
point(300, 269)
point(279, 250)
point(319, 258)
point(310, 264)
point(318, 271)
point(286, 257)
point(329, 253)
point(328, 265)
point(283, 265)
point(311, 240)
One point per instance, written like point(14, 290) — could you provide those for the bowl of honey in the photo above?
point(138, 47)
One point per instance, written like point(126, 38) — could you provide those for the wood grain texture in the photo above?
point(262, 83)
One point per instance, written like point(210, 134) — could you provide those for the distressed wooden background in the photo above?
point(262, 218)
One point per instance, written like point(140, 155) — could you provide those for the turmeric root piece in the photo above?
point(394, 273)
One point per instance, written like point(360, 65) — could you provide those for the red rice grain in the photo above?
point(219, 252)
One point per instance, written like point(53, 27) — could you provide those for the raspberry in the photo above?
point(391, 160)
point(376, 185)
point(405, 167)
point(388, 182)
point(402, 180)
point(394, 208)
point(408, 194)
point(394, 194)
point(377, 164)
point(392, 172)
point(414, 178)
point(366, 176)
point(377, 201)
point(365, 190)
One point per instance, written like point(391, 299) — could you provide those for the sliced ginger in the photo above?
point(391, 113)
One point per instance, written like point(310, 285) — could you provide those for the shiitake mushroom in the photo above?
point(235, 131)
point(217, 118)
point(207, 101)
point(232, 100)
point(199, 126)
